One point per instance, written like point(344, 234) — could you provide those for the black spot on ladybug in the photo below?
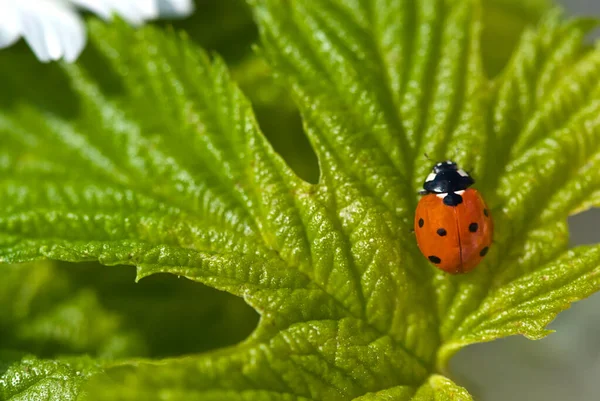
point(452, 199)
point(441, 232)
point(473, 227)
point(434, 259)
point(421, 222)
point(484, 251)
point(486, 213)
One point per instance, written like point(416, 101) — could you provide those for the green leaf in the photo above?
point(161, 165)
point(436, 388)
point(439, 388)
point(34, 379)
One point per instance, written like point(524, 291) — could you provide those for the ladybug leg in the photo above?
point(423, 192)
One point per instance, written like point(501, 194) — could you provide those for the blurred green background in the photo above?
point(55, 309)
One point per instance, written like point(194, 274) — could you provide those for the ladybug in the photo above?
point(453, 225)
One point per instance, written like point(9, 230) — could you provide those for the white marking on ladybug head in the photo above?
point(462, 172)
point(444, 194)
point(430, 177)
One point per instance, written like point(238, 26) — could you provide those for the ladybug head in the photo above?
point(445, 166)
point(447, 177)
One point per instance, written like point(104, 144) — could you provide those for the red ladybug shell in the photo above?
point(454, 238)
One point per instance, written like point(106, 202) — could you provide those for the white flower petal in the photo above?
point(34, 36)
point(101, 8)
point(52, 29)
point(175, 8)
point(72, 37)
point(134, 12)
point(10, 28)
